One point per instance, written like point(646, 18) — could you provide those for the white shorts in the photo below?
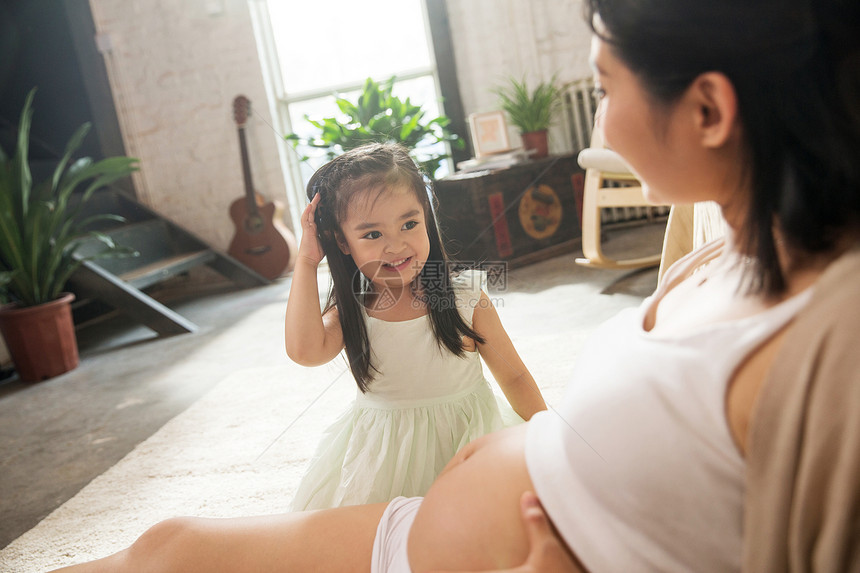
point(389, 546)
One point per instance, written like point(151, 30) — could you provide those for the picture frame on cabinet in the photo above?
point(489, 132)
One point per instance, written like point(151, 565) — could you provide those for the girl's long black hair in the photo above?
point(795, 67)
point(378, 167)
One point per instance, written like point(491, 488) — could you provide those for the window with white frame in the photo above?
point(313, 50)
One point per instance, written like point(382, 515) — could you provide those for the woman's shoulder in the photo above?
point(806, 424)
point(817, 362)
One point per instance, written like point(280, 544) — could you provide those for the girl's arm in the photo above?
point(506, 365)
point(310, 337)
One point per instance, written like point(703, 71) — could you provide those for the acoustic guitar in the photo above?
point(262, 240)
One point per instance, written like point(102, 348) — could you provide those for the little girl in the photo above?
point(412, 333)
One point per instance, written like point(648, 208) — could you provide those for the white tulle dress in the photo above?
point(423, 405)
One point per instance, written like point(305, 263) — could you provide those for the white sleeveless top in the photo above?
point(412, 368)
point(637, 468)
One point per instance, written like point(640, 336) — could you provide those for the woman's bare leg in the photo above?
point(337, 540)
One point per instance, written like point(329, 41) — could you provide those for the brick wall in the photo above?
point(175, 67)
point(532, 39)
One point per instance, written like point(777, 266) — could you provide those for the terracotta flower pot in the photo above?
point(538, 141)
point(41, 339)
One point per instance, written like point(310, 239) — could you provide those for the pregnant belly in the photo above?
point(470, 518)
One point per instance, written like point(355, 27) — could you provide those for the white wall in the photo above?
point(176, 65)
point(532, 39)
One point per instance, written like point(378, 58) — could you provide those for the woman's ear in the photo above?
point(715, 108)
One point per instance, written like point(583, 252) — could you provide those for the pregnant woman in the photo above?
point(740, 368)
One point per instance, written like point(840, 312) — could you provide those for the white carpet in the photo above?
point(233, 454)
point(215, 459)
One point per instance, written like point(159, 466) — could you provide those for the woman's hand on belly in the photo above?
point(470, 519)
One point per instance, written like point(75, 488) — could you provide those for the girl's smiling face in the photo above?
point(385, 233)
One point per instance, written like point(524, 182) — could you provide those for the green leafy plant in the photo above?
point(41, 226)
point(379, 116)
point(530, 110)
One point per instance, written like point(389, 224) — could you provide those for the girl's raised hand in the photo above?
point(310, 248)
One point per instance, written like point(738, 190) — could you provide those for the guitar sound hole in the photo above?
point(254, 224)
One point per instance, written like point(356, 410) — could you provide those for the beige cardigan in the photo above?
point(802, 508)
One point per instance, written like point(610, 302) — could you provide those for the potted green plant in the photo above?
point(41, 228)
point(531, 111)
point(379, 116)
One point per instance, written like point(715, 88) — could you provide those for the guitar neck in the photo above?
point(250, 196)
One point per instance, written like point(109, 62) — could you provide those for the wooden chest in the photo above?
point(522, 214)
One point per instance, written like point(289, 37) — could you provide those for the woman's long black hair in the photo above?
point(378, 167)
point(795, 67)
